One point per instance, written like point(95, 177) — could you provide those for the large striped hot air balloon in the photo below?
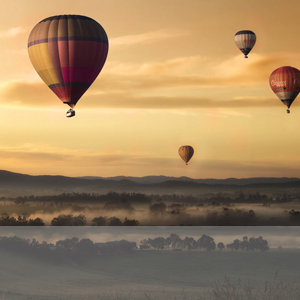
point(285, 83)
point(68, 52)
point(245, 41)
point(186, 153)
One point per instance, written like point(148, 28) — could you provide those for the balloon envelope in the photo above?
point(285, 83)
point(186, 153)
point(245, 41)
point(68, 52)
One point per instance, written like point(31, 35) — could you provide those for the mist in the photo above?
point(149, 274)
point(276, 235)
point(161, 213)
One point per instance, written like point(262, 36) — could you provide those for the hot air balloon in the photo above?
point(68, 52)
point(285, 83)
point(245, 41)
point(186, 153)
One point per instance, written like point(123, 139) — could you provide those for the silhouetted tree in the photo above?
point(206, 242)
point(67, 244)
point(6, 220)
point(236, 244)
point(158, 208)
point(69, 220)
point(175, 240)
point(100, 221)
point(128, 222)
point(221, 246)
point(294, 217)
point(189, 243)
point(145, 244)
point(36, 222)
point(249, 244)
point(244, 245)
point(113, 221)
point(158, 243)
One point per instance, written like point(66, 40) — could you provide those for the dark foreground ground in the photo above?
point(156, 275)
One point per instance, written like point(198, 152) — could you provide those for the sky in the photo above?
point(284, 236)
point(173, 77)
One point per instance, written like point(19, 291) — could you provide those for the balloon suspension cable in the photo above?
point(288, 111)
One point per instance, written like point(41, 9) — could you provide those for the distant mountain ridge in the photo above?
point(15, 184)
point(227, 181)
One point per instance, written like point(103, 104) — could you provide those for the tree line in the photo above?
point(139, 198)
point(64, 251)
point(65, 220)
point(205, 242)
point(77, 250)
point(86, 198)
point(225, 217)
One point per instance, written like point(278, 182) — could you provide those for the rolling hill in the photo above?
point(22, 184)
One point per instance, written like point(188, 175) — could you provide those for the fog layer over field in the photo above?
point(285, 236)
point(150, 274)
point(155, 210)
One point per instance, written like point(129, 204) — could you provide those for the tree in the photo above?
point(125, 246)
point(86, 247)
point(158, 243)
point(294, 217)
point(262, 244)
point(221, 246)
point(36, 222)
point(236, 244)
point(100, 221)
point(189, 243)
point(145, 244)
point(206, 242)
point(131, 222)
point(176, 241)
point(245, 243)
point(69, 220)
point(113, 221)
point(67, 244)
point(158, 208)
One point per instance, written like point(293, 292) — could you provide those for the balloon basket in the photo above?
point(70, 113)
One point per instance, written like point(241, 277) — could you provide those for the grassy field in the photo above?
point(146, 275)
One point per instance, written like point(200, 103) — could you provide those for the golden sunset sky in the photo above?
point(173, 77)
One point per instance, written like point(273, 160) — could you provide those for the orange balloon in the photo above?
point(186, 153)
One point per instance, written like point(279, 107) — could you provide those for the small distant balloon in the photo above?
point(285, 83)
point(186, 153)
point(245, 41)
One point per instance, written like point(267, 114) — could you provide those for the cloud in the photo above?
point(12, 32)
point(175, 103)
point(144, 38)
point(181, 65)
point(35, 152)
point(270, 167)
point(173, 84)
point(41, 157)
point(189, 72)
point(45, 154)
point(34, 94)
point(22, 93)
